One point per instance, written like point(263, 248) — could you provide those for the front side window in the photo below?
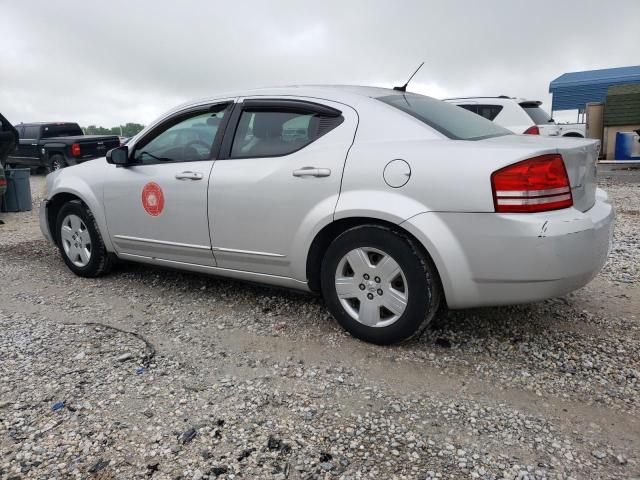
point(270, 133)
point(187, 140)
point(446, 118)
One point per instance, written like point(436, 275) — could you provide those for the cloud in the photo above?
point(130, 61)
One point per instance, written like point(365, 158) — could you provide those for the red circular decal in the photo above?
point(152, 199)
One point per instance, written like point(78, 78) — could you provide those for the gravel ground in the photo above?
point(151, 373)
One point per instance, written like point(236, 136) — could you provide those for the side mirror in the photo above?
point(118, 156)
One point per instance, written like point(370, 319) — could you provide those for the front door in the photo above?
point(27, 149)
point(157, 207)
point(278, 174)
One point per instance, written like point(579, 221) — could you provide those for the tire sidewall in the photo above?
point(423, 296)
point(97, 247)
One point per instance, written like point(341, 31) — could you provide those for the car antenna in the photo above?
point(404, 87)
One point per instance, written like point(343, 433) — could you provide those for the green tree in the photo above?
point(128, 130)
point(93, 130)
point(131, 129)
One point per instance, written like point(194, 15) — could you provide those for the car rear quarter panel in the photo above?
point(446, 175)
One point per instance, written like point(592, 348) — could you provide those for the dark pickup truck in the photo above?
point(58, 144)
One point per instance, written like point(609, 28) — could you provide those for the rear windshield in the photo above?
point(448, 119)
point(63, 130)
point(538, 115)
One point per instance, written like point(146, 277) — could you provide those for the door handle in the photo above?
point(189, 176)
point(311, 172)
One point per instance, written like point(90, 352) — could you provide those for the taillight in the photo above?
point(534, 185)
point(532, 130)
point(75, 149)
point(3, 182)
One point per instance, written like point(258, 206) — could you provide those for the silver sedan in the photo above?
point(390, 204)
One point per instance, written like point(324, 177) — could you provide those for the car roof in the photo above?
point(338, 93)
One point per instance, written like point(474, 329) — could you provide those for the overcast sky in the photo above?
point(113, 62)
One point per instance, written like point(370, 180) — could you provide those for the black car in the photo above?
point(57, 145)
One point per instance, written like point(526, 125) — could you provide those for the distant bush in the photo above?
point(128, 130)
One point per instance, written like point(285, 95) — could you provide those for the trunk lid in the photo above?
point(580, 158)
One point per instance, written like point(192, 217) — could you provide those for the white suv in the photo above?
point(518, 115)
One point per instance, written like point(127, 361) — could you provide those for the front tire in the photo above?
point(379, 285)
point(80, 242)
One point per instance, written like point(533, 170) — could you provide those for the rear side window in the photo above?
point(453, 122)
point(31, 131)
point(272, 133)
point(489, 111)
point(470, 107)
point(63, 130)
point(538, 115)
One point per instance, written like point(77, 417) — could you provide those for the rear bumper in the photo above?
point(500, 259)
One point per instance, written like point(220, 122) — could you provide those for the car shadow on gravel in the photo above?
point(506, 323)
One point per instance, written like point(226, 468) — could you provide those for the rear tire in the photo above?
point(80, 242)
point(401, 294)
point(56, 162)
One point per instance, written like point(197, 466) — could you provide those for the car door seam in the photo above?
point(344, 164)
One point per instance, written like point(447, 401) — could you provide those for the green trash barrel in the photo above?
point(18, 195)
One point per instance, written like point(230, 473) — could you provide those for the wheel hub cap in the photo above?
point(371, 287)
point(76, 241)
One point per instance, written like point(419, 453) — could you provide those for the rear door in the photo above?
point(278, 174)
point(157, 207)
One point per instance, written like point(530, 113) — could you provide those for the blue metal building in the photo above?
point(572, 91)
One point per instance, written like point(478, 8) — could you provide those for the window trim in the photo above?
point(277, 105)
point(178, 117)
